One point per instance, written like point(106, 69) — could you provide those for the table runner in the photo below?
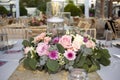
point(22, 74)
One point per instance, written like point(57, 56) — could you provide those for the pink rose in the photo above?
point(27, 49)
point(39, 37)
point(90, 44)
point(65, 41)
point(47, 40)
point(42, 49)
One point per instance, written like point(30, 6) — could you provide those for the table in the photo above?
point(22, 74)
point(12, 61)
point(111, 72)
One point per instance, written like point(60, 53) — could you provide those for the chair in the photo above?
point(36, 30)
point(117, 28)
point(84, 24)
point(112, 28)
point(100, 28)
point(14, 33)
point(90, 31)
point(85, 27)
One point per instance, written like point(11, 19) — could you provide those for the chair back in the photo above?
point(15, 33)
point(84, 24)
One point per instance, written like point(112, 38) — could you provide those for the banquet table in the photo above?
point(11, 60)
point(7, 71)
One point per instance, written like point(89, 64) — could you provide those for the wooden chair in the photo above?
point(36, 30)
point(90, 31)
point(85, 27)
point(117, 28)
point(14, 33)
point(112, 29)
point(84, 24)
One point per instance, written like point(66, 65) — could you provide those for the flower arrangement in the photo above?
point(52, 54)
point(38, 22)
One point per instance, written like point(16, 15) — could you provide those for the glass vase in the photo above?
point(54, 8)
point(55, 23)
point(108, 38)
point(77, 74)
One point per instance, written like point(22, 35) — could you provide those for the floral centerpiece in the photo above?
point(53, 54)
point(38, 21)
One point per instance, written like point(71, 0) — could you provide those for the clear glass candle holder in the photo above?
point(108, 38)
point(77, 74)
point(54, 8)
point(3, 41)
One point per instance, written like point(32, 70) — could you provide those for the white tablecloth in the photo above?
point(12, 61)
point(111, 72)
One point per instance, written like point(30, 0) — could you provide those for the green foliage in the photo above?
point(60, 48)
point(40, 4)
point(86, 58)
point(91, 62)
point(30, 63)
point(81, 61)
point(105, 53)
point(26, 43)
point(92, 68)
point(29, 43)
point(29, 3)
point(52, 65)
point(75, 11)
point(43, 5)
point(23, 11)
point(3, 10)
point(70, 1)
point(104, 61)
point(82, 8)
point(91, 12)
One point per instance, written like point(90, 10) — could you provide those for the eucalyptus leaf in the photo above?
point(87, 51)
point(53, 47)
point(42, 62)
point(70, 68)
point(43, 58)
point(71, 63)
point(66, 66)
